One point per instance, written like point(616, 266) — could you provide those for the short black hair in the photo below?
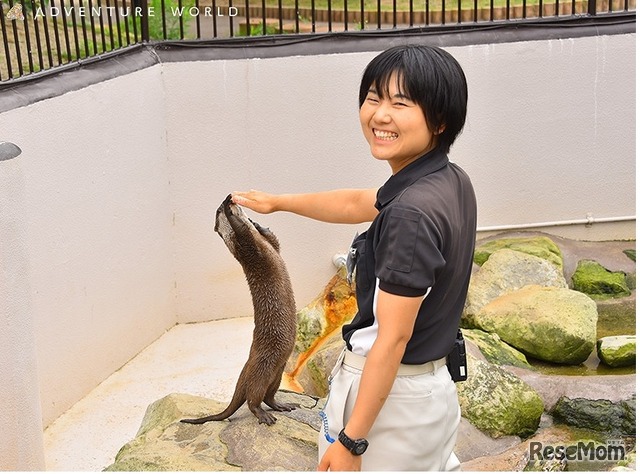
point(428, 76)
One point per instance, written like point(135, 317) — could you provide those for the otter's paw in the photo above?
point(284, 406)
point(266, 418)
point(263, 416)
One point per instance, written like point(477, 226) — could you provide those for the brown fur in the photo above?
point(258, 251)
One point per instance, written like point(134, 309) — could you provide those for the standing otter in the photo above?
point(258, 251)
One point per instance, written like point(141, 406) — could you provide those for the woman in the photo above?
point(392, 403)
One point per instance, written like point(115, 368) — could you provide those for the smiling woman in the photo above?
point(391, 95)
point(395, 127)
point(412, 270)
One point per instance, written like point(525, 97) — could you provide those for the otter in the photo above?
point(258, 251)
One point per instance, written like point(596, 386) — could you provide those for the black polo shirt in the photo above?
point(420, 244)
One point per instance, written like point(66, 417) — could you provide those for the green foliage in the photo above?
point(259, 30)
point(171, 18)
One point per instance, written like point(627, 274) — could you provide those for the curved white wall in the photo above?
point(21, 444)
point(97, 230)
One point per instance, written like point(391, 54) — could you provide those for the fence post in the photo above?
point(591, 7)
point(144, 20)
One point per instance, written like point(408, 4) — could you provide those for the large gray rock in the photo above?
point(498, 402)
point(552, 324)
point(163, 443)
point(617, 351)
point(506, 271)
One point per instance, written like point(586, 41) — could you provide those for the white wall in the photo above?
point(21, 443)
point(549, 137)
point(551, 131)
point(97, 223)
point(119, 183)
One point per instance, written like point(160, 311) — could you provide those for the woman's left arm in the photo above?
point(396, 316)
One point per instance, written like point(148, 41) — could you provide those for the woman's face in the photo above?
point(395, 127)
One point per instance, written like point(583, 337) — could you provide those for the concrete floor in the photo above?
point(88, 436)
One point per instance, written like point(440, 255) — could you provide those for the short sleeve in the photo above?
point(407, 253)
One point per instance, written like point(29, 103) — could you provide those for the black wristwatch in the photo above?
point(355, 446)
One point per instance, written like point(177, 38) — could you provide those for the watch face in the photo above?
point(360, 449)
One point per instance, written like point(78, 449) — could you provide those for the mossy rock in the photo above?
point(631, 253)
point(540, 246)
point(550, 324)
point(497, 402)
point(596, 281)
point(240, 443)
point(617, 351)
point(495, 349)
point(614, 418)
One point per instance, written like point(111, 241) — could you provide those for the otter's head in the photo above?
point(243, 237)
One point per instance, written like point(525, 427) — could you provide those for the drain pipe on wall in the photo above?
point(21, 437)
point(588, 221)
point(340, 259)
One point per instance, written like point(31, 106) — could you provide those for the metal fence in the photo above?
point(39, 35)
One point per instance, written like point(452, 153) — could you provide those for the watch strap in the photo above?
point(357, 447)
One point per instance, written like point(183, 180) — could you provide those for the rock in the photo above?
point(313, 376)
point(320, 321)
point(240, 443)
point(494, 349)
point(631, 253)
point(506, 271)
point(537, 245)
point(617, 351)
point(628, 464)
point(617, 316)
point(596, 281)
point(165, 444)
point(530, 455)
point(516, 457)
point(552, 324)
point(552, 388)
point(599, 415)
point(472, 443)
point(498, 402)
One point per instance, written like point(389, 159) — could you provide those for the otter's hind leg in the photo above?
point(270, 400)
point(262, 415)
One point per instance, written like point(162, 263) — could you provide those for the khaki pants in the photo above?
point(417, 426)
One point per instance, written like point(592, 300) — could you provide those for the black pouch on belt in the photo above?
point(457, 359)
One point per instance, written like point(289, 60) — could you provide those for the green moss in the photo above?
point(631, 253)
point(596, 281)
point(495, 350)
point(309, 327)
point(497, 402)
point(538, 246)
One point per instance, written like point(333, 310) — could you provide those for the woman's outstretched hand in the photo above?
point(257, 201)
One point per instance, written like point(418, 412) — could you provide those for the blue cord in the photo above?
point(325, 427)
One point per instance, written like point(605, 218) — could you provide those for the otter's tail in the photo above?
point(236, 402)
